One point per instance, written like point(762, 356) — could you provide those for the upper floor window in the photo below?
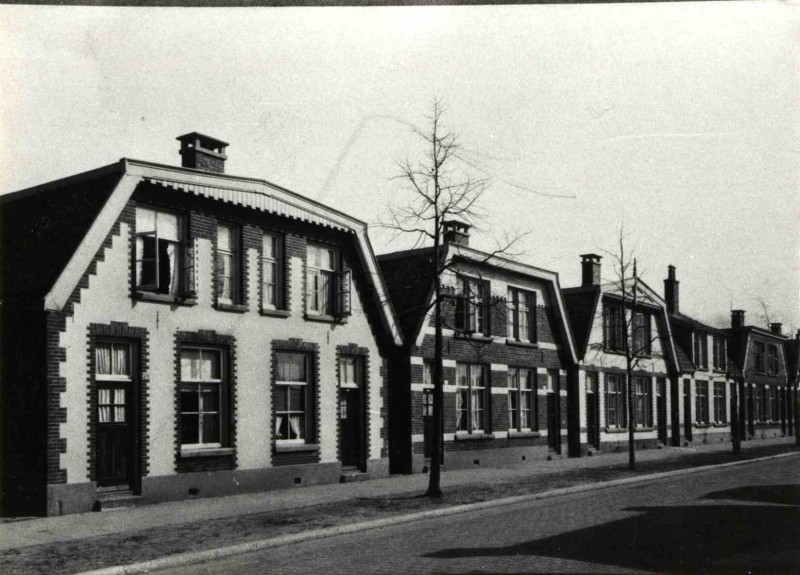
point(772, 359)
point(228, 264)
point(760, 363)
point(159, 256)
point(642, 341)
point(320, 270)
point(701, 350)
point(471, 397)
point(521, 315)
point(720, 353)
point(614, 324)
point(272, 272)
point(471, 306)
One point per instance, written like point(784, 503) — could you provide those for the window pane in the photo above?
point(190, 401)
point(167, 225)
point(461, 375)
point(103, 359)
point(119, 414)
point(119, 397)
point(296, 398)
point(103, 396)
point(291, 367)
point(103, 414)
point(281, 394)
point(189, 357)
point(145, 220)
point(210, 364)
point(268, 246)
point(211, 428)
point(476, 376)
point(209, 399)
point(190, 429)
point(224, 238)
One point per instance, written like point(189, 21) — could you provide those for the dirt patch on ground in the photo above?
point(131, 547)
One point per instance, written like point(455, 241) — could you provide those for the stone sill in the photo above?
point(164, 298)
point(473, 436)
point(517, 343)
point(295, 447)
point(231, 307)
point(514, 434)
point(275, 312)
point(324, 318)
point(476, 337)
point(213, 452)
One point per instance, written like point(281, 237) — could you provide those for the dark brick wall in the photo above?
point(227, 343)
point(473, 351)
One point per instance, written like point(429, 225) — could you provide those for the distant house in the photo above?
point(792, 350)
point(597, 312)
point(172, 332)
point(706, 386)
point(759, 357)
point(507, 353)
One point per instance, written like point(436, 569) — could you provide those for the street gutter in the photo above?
point(194, 557)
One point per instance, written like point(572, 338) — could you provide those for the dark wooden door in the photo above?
point(661, 409)
point(687, 410)
point(553, 432)
point(115, 435)
point(351, 427)
point(751, 414)
point(592, 414)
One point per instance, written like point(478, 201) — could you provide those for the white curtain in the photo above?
point(119, 357)
point(139, 256)
point(103, 358)
point(278, 422)
point(172, 255)
point(294, 421)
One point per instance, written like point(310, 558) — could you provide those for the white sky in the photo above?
point(679, 120)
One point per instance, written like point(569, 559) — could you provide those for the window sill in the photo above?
point(616, 430)
point(164, 298)
point(643, 429)
point(512, 434)
point(295, 447)
point(324, 318)
point(275, 312)
point(463, 436)
point(719, 424)
point(479, 337)
point(518, 343)
point(701, 425)
point(231, 307)
point(212, 452)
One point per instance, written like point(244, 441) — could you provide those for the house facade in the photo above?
point(599, 312)
point(188, 334)
point(765, 394)
point(706, 387)
point(507, 352)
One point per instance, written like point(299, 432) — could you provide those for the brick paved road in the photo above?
point(725, 521)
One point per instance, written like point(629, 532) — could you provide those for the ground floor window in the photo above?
point(615, 401)
point(643, 401)
point(701, 402)
point(471, 396)
point(520, 399)
point(760, 402)
point(720, 405)
point(772, 403)
point(292, 398)
point(203, 388)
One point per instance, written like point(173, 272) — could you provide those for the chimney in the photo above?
point(776, 328)
point(203, 152)
point(671, 291)
point(737, 318)
point(456, 232)
point(591, 269)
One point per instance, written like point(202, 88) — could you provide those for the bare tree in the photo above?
point(441, 190)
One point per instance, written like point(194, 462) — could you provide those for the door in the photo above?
point(351, 413)
point(115, 452)
point(661, 409)
point(687, 409)
point(751, 415)
point(592, 411)
point(553, 428)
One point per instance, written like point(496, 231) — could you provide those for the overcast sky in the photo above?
point(678, 120)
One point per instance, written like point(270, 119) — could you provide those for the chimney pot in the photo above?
point(201, 152)
point(672, 291)
point(590, 264)
point(455, 232)
point(776, 328)
point(737, 318)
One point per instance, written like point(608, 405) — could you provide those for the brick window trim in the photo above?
point(119, 331)
point(216, 459)
point(353, 350)
point(294, 345)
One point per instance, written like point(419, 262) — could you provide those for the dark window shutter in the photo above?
point(343, 288)
point(189, 267)
point(532, 327)
point(486, 302)
point(461, 311)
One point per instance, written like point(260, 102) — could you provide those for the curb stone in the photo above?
point(193, 557)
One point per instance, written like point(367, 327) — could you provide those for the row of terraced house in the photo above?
point(175, 332)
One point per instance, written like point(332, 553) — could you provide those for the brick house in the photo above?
point(171, 332)
point(597, 315)
point(760, 368)
point(507, 351)
point(706, 387)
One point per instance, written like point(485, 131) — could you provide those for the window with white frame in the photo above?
point(521, 315)
point(521, 399)
point(642, 341)
point(772, 403)
point(615, 401)
point(471, 305)
point(701, 402)
point(701, 349)
point(614, 326)
point(772, 359)
point(320, 279)
point(292, 398)
point(228, 264)
point(158, 252)
point(427, 373)
point(760, 402)
point(720, 354)
point(202, 397)
point(720, 405)
point(112, 367)
point(471, 397)
point(643, 401)
point(271, 272)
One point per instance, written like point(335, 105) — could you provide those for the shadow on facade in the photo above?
point(692, 539)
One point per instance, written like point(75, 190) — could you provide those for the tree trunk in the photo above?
point(434, 480)
point(631, 421)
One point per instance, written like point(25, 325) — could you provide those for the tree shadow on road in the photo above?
point(781, 494)
point(691, 539)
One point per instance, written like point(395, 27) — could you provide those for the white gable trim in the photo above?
point(57, 298)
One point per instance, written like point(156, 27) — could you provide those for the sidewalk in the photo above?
point(66, 544)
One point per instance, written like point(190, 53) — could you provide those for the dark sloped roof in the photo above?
point(409, 279)
point(694, 324)
point(684, 362)
point(41, 230)
point(581, 304)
